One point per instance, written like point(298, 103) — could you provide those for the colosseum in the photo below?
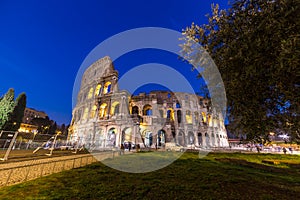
point(105, 117)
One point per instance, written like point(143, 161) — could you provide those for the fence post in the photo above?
point(7, 180)
point(42, 169)
point(80, 161)
point(63, 167)
point(27, 173)
point(73, 163)
point(53, 167)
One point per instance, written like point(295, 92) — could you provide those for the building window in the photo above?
point(85, 114)
point(196, 117)
point(103, 110)
point(93, 112)
point(97, 91)
point(170, 114)
point(147, 110)
point(91, 93)
point(179, 116)
point(107, 88)
point(188, 117)
point(203, 117)
point(135, 110)
point(115, 108)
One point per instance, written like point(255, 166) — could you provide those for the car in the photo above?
point(172, 146)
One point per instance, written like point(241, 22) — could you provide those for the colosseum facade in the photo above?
point(104, 116)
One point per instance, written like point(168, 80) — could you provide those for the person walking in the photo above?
point(284, 150)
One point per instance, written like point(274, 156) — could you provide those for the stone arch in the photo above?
point(213, 139)
point(115, 108)
point(91, 92)
point(204, 120)
point(181, 138)
point(188, 117)
point(200, 142)
point(170, 114)
point(111, 137)
point(85, 114)
point(191, 138)
point(98, 90)
point(147, 138)
point(161, 138)
point(179, 116)
point(196, 117)
point(207, 140)
point(93, 111)
point(126, 135)
point(99, 138)
point(147, 110)
point(135, 110)
point(103, 110)
point(107, 87)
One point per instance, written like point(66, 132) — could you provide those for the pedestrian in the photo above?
point(284, 150)
point(129, 146)
point(257, 148)
point(291, 150)
point(122, 149)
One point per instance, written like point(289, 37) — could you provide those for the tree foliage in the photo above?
point(7, 105)
point(15, 119)
point(255, 44)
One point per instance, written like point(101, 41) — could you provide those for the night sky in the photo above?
point(43, 43)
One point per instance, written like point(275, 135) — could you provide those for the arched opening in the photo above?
point(126, 135)
point(191, 138)
point(196, 118)
point(90, 93)
point(147, 110)
point(161, 138)
point(213, 139)
point(99, 138)
point(188, 117)
point(178, 105)
point(203, 117)
point(103, 110)
point(181, 138)
point(207, 140)
point(85, 114)
point(135, 110)
point(107, 87)
point(147, 138)
point(179, 116)
point(209, 120)
point(170, 114)
point(93, 111)
point(111, 137)
point(97, 90)
point(200, 139)
point(115, 108)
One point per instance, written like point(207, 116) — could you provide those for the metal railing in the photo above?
point(19, 174)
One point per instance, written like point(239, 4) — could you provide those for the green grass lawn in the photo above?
point(216, 176)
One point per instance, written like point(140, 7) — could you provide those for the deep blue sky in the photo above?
point(43, 43)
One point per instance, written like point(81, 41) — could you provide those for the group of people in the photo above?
point(127, 146)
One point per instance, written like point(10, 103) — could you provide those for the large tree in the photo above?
point(7, 105)
point(255, 44)
point(15, 118)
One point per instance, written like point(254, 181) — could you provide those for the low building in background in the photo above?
point(30, 114)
